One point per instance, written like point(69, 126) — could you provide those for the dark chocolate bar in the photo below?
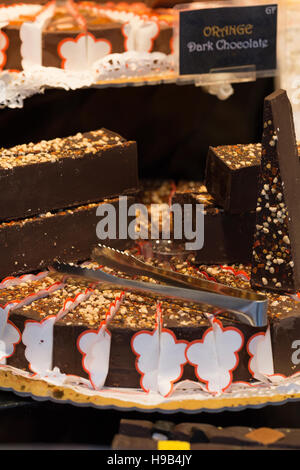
point(31, 244)
point(66, 172)
point(276, 249)
point(232, 173)
point(228, 238)
point(208, 437)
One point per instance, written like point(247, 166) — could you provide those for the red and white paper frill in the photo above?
point(160, 358)
point(3, 47)
point(140, 34)
point(31, 36)
point(38, 337)
point(9, 333)
point(11, 281)
point(215, 356)
point(261, 364)
point(94, 345)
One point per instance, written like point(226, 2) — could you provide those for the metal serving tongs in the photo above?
point(246, 306)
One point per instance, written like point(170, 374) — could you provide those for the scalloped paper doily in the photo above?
point(187, 397)
point(16, 87)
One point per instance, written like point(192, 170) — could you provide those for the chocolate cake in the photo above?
point(138, 313)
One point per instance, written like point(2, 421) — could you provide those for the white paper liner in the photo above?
point(94, 345)
point(187, 395)
point(16, 87)
point(14, 281)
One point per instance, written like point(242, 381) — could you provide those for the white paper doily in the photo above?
point(16, 87)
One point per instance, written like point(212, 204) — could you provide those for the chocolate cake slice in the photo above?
point(21, 292)
point(138, 313)
point(276, 249)
point(39, 310)
point(99, 26)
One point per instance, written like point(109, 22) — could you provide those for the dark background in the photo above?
point(40, 424)
point(173, 125)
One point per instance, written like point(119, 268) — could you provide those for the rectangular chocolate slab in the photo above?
point(36, 178)
point(232, 173)
point(232, 176)
point(31, 244)
point(228, 238)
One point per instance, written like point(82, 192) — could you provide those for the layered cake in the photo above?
point(77, 308)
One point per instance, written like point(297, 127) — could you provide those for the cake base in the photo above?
point(187, 401)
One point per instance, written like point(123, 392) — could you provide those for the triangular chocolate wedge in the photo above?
point(276, 249)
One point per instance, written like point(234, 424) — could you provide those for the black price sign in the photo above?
point(221, 38)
